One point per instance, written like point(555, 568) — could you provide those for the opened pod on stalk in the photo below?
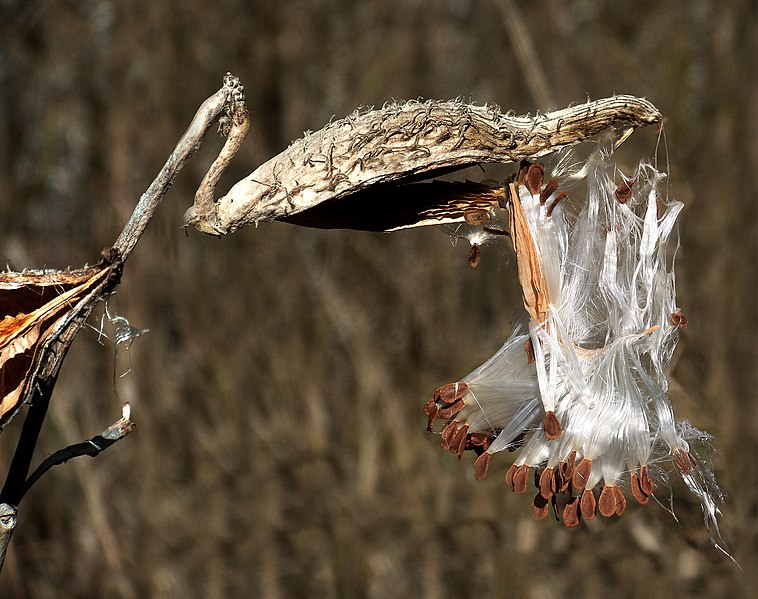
point(579, 390)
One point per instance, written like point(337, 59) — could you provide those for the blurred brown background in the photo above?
point(280, 448)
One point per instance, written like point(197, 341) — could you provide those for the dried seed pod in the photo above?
point(552, 426)
point(606, 504)
point(482, 465)
point(540, 507)
point(571, 513)
point(588, 504)
point(351, 173)
point(581, 474)
point(679, 319)
point(475, 255)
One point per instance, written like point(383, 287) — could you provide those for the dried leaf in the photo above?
point(31, 306)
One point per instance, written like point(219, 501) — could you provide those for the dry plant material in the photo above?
point(362, 171)
point(582, 474)
point(33, 303)
point(588, 504)
point(481, 466)
point(476, 217)
point(520, 479)
point(679, 319)
point(571, 513)
point(552, 426)
point(475, 255)
point(584, 385)
point(606, 504)
point(624, 191)
point(590, 364)
point(540, 507)
point(546, 483)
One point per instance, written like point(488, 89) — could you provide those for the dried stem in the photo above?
point(53, 349)
point(91, 447)
point(210, 110)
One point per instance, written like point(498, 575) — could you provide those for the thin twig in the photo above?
point(90, 447)
point(206, 115)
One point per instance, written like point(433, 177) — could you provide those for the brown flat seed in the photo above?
point(510, 474)
point(430, 410)
point(571, 513)
point(540, 507)
point(588, 505)
point(581, 474)
point(552, 426)
point(679, 319)
point(624, 191)
point(458, 444)
point(523, 168)
point(449, 393)
point(480, 439)
point(566, 469)
point(448, 435)
point(548, 190)
point(606, 504)
point(475, 256)
point(558, 198)
point(646, 483)
point(476, 216)
point(448, 412)
point(534, 177)
point(682, 460)
point(519, 479)
point(482, 466)
point(637, 491)
point(547, 483)
point(529, 349)
point(620, 500)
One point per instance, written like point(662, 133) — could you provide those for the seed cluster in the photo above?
point(581, 394)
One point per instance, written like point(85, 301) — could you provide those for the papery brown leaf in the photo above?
point(31, 305)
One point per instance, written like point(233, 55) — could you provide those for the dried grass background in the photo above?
point(280, 448)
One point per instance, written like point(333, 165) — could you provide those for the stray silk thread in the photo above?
point(581, 391)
